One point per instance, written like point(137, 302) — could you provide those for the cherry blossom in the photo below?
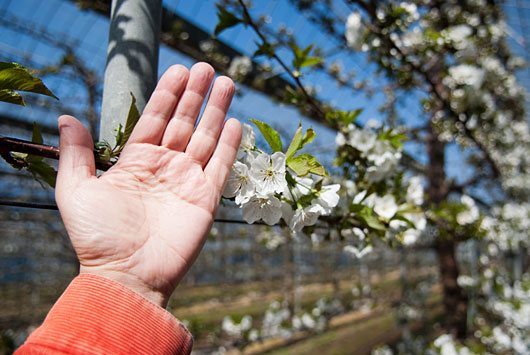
point(239, 184)
point(266, 208)
point(385, 206)
point(267, 172)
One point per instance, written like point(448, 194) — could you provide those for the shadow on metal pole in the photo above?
point(132, 61)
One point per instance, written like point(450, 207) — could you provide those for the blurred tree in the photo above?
point(455, 54)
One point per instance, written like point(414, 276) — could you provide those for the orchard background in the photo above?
point(394, 137)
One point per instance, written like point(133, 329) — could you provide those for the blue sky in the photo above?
point(62, 22)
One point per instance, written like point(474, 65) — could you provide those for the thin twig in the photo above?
point(296, 78)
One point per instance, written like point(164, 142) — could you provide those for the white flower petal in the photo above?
point(287, 212)
point(278, 161)
point(266, 178)
point(386, 206)
point(359, 197)
point(238, 175)
point(266, 208)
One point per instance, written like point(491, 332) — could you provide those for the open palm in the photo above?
point(143, 222)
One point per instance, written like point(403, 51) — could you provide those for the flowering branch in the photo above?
point(436, 87)
point(320, 110)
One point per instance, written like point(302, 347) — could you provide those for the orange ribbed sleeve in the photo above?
point(98, 316)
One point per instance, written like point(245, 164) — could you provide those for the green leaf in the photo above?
point(122, 135)
point(11, 97)
point(119, 137)
point(225, 20)
point(132, 119)
point(299, 141)
point(265, 49)
point(373, 222)
point(310, 61)
point(356, 207)
point(343, 117)
point(366, 214)
point(305, 52)
point(270, 134)
point(308, 137)
point(14, 76)
point(41, 170)
point(398, 139)
point(350, 116)
point(395, 139)
point(295, 143)
point(301, 57)
point(36, 137)
point(304, 164)
point(299, 54)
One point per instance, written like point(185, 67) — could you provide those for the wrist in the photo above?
point(131, 282)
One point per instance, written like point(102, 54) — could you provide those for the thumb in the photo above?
point(76, 161)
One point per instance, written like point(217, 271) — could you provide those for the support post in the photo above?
point(132, 60)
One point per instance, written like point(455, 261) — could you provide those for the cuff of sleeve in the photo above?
point(97, 315)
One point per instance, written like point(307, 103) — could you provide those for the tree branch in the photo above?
point(407, 159)
point(8, 145)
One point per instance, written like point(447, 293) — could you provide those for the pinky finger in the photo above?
point(220, 164)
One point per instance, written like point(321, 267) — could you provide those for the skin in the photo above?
point(143, 222)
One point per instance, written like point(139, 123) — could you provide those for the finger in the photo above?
point(76, 160)
point(219, 166)
point(204, 139)
point(180, 127)
point(150, 128)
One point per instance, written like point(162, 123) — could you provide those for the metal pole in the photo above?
point(132, 61)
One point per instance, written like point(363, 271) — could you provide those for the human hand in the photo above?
point(143, 222)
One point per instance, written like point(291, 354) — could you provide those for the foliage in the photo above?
point(104, 151)
point(35, 164)
point(14, 77)
point(226, 20)
point(302, 59)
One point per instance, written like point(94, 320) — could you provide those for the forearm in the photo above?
point(97, 315)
